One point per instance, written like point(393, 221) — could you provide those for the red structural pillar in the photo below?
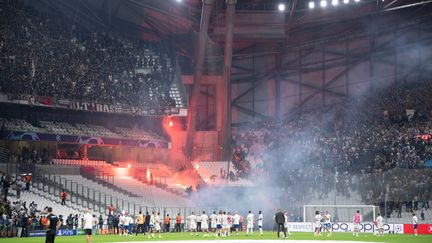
point(201, 52)
point(225, 134)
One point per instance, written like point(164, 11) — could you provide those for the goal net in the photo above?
point(341, 213)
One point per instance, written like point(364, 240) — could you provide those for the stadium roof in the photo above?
point(259, 26)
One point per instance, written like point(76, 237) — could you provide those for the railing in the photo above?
point(79, 194)
point(4, 155)
point(179, 82)
point(103, 178)
point(80, 162)
point(95, 200)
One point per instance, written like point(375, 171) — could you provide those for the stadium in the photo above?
point(215, 120)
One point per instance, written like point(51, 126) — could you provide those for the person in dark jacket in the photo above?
point(279, 218)
point(147, 222)
point(22, 226)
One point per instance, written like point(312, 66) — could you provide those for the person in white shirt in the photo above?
point(380, 225)
point(213, 223)
point(317, 223)
point(193, 223)
point(204, 224)
point(327, 223)
point(415, 223)
point(157, 224)
point(95, 223)
point(152, 225)
point(126, 224)
point(122, 227)
point(229, 224)
point(250, 223)
point(286, 224)
point(88, 225)
point(224, 224)
point(260, 222)
point(219, 224)
point(236, 222)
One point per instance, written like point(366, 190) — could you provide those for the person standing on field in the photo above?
point(415, 223)
point(88, 225)
point(249, 223)
point(380, 225)
point(279, 218)
point(167, 223)
point(357, 221)
point(140, 223)
point(52, 224)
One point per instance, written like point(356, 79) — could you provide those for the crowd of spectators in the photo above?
point(17, 218)
point(374, 145)
point(54, 57)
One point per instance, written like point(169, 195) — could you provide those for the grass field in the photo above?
point(267, 237)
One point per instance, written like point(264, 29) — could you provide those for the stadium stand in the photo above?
point(367, 150)
point(45, 199)
point(138, 133)
point(21, 125)
point(360, 145)
point(166, 192)
point(157, 197)
point(80, 129)
point(60, 59)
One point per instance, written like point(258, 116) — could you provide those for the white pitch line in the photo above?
point(255, 241)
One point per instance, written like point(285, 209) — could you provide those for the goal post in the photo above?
point(341, 213)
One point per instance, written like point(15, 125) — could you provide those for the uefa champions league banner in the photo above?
point(61, 138)
point(347, 227)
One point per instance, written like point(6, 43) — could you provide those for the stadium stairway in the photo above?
point(46, 182)
point(167, 182)
point(154, 196)
point(96, 170)
point(44, 199)
point(98, 192)
point(44, 196)
point(94, 174)
point(130, 193)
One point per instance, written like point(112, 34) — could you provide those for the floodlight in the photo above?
point(281, 7)
point(312, 5)
point(323, 3)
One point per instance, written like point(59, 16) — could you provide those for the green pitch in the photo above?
point(267, 236)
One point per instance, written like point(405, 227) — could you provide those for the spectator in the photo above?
point(167, 223)
point(178, 223)
point(63, 197)
point(53, 58)
point(111, 209)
